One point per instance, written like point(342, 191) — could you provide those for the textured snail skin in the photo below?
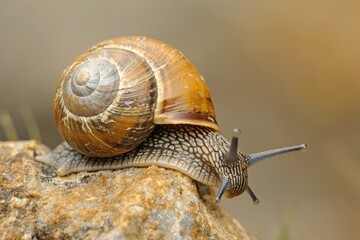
point(198, 152)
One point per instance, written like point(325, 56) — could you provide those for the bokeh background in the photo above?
point(285, 72)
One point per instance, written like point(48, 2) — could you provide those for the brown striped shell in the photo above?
point(107, 102)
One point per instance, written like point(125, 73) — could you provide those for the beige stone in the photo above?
point(134, 203)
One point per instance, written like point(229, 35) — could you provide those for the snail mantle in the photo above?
point(133, 203)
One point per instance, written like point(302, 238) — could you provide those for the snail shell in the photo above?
point(107, 102)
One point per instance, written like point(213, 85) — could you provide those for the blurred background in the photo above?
point(285, 72)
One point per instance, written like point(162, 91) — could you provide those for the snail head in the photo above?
point(234, 180)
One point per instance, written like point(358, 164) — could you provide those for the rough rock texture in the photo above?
point(134, 203)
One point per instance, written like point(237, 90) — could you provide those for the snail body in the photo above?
point(136, 102)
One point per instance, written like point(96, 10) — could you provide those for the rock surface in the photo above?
point(134, 203)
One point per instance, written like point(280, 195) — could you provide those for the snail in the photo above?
point(136, 102)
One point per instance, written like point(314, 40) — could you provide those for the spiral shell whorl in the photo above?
point(104, 104)
point(92, 87)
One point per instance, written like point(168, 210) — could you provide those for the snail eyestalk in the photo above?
point(256, 157)
point(224, 184)
point(231, 157)
point(233, 151)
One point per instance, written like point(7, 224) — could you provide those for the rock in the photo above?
point(134, 203)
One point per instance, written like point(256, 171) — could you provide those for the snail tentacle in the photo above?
point(252, 195)
point(253, 158)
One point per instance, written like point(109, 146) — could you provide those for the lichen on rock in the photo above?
point(133, 203)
